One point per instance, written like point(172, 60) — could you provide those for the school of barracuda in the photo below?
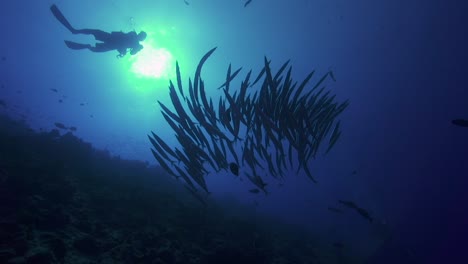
point(267, 129)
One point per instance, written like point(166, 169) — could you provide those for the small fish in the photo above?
point(81, 104)
point(255, 190)
point(354, 172)
point(2, 103)
point(3, 58)
point(364, 214)
point(186, 2)
point(348, 203)
point(332, 75)
point(91, 116)
point(60, 125)
point(54, 90)
point(60, 101)
point(247, 3)
point(234, 168)
point(358, 209)
point(460, 122)
point(72, 128)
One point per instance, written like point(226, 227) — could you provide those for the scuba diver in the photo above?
point(116, 40)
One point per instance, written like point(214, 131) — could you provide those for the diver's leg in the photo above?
point(61, 18)
point(100, 47)
point(98, 34)
point(77, 46)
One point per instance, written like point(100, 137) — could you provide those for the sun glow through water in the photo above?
point(152, 62)
point(150, 70)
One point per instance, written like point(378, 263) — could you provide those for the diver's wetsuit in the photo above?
point(116, 40)
point(110, 41)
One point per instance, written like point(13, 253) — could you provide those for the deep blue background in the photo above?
point(402, 65)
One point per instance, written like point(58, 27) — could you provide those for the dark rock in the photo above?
point(12, 238)
point(8, 231)
point(84, 226)
point(55, 219)
point(99, 230)
point(87, 246)
point(42, 257)
point(166, 255)
point(59, 193)
point(6, 254)
point(58, 247)
point(234, 256)
point(54, 133)
point(20, 246)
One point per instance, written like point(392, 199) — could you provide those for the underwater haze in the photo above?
point(386, 185)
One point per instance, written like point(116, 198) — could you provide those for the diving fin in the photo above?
point(61, 18)
point(76, 46)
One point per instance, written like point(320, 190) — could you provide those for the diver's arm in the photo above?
point(136, 49)
point(122, 53)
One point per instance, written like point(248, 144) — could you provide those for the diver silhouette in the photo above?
point(116, 40)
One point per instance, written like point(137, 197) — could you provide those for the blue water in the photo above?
point(402, 65)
